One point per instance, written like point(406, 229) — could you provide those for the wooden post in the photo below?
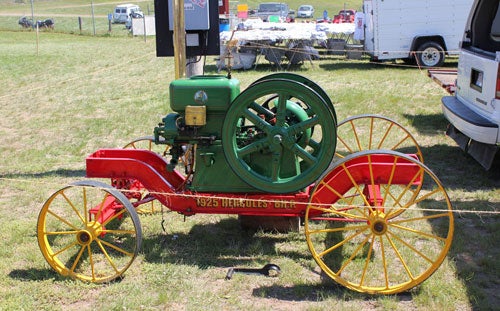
point(93, 19)
point(144, 24)
point(179, 39)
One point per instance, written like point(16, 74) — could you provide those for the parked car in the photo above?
point(122, 12)
point(344, 16)
point(136, 14)
point(305, 11)
point(474, 110)
point(276, 9)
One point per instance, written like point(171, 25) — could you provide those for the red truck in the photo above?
point(344, 16)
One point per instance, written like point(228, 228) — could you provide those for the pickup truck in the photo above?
point(266, 9)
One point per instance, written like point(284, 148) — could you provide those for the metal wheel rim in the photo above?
point(366, 249)
point(78, 246)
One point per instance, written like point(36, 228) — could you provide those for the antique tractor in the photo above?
point(376, 219)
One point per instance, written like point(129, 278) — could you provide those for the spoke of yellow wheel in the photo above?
point(389, 183)
point(407, 188)
point(341, 197)
point(107, 255)
point(62, 219)
point(99, 211)
point(77, 259)
point(370, 140)
point(356, 251)
point(384, 137)
point(345, 144)
point(420, 218)
point(64, 249)
point(401, 141)
point(427, 195)
point(418, 232)
point(73, 207)
point(367, 261)
point(356, 185)
point(123, 210)
point(326, 251)
point(399, 256)
point(61, 232)
point(131, 232)
point(333, 211)
point(331, 230)
point(411, 247)
point(91, 259)
point(86, 215)
point(384, 261)
point(115, 247)
point(356, 135)
point(395, 210)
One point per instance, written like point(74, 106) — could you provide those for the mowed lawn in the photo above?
point(69, 95)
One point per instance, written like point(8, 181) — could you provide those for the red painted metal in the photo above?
point(149, 169)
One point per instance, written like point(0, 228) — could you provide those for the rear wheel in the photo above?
point(365, 132)
point(430, 54)
point(376, 224)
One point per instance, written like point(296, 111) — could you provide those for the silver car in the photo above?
point(474, 110)
point(305, 11)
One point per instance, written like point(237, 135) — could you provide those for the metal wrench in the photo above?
point(268, 270)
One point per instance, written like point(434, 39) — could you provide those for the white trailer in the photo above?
point(423, 31)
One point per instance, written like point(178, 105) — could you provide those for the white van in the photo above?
point(122, 12)
point(474, 111)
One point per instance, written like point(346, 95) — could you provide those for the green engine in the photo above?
point(276, 136)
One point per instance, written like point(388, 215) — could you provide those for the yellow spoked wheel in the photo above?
point(89, 231)
point(372, 226)
point(367, 132)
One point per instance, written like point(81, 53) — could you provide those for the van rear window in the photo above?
point(495, 26)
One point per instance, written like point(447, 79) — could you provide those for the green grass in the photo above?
point(82, 93)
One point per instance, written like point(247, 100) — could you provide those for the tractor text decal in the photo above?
point(242, 203)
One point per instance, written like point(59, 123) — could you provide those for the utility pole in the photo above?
point(179, 39)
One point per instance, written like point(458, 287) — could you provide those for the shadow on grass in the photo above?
point(33, 274)
point(459, 171)
point(428, 124)
point(53, 173)
point(306, 292)
point(223, 244)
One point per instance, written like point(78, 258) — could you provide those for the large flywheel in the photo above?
point(279, 135)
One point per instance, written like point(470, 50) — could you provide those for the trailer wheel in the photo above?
point(430, 54)
point(372, 228)
point(89, 231)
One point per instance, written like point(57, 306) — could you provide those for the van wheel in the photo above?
point(430, 54)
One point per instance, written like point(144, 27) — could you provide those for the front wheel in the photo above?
point(430, 54)
point(89, 231)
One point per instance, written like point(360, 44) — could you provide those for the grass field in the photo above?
point(80, 93)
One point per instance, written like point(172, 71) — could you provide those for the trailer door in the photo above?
point(369, 35)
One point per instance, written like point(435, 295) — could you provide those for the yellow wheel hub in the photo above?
point(89, 234)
